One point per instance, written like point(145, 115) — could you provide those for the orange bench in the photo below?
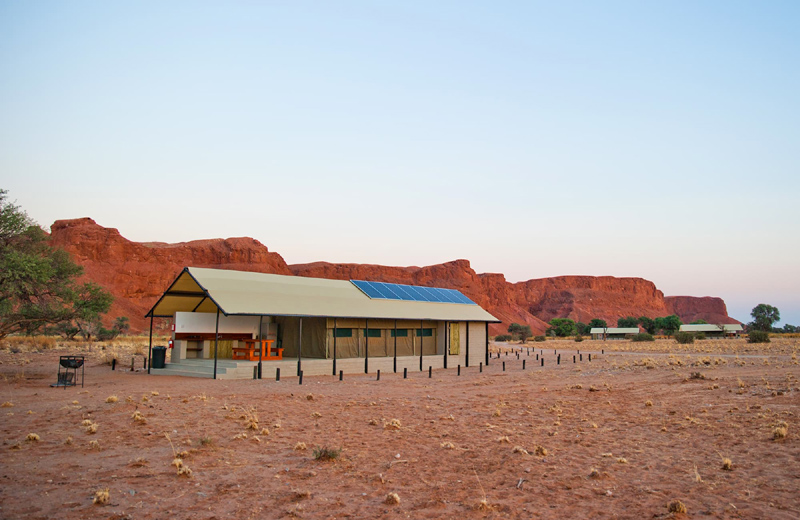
point(250, 352)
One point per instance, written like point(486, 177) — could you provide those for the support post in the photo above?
point(487, 343)
point(260, 345)
point(421, 343)
point(467, 359)
point(300, 347)
point(150, 349)
point(395, 346)
point(216, 343)
point(446, 342)
point(334, 346)
point(366, 348)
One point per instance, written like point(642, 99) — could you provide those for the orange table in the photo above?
point(250, 351)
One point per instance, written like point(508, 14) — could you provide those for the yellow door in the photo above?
point(455, 340)
point(224, 349)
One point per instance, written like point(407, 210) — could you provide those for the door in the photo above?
point(455, 340)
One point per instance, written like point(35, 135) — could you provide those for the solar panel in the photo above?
point(416, 293)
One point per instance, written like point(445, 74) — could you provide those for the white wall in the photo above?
point(205, 322)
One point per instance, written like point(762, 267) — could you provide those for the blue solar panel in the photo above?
point(417, 293)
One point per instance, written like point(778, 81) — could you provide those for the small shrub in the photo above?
point(392, 499)
point(642, 336)
point(32, 437)
point(578, 338)
point(684, 338)
point(539, 339)
point(503, 337)
point(325, 453)
point(700, 335)
point(300, 446)
point(676, 506)
point(758, 336)
point(112, 399)
point(101, 497)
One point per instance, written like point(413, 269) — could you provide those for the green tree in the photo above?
point(627, 322)
point(38, 283)
point(648, 324)
point(562, 327)
point(583, 329)
point(521, 332)
point(764, 316)
point(597, 323)
point(669, 324)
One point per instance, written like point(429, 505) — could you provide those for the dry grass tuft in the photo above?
point(94, 445)
point(68, 441)
point(519, 449)
point(622, 460)
point(448, 445)
point(139, 462)
point(316, 415)
point(780, 432)
point(310, 397)
point(592, 388)
point(392, 499)
point(594, 473)
point(154, 393)
point(91, 428)
point(540, 451)
point(32, 437)
point(300, 446)
point(504, 438)
point(373, 422)
point(648, 403)
point(138, 417)
point(101, 496)
point(7, 404)
point(394, 424)
point(250, 419)
point(727, 464)
point(264, 431)
point(86, 422)
point(676, 506)
point(112, 399)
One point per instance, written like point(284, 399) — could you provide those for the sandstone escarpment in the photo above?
point(138, 273)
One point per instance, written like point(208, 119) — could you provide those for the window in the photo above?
point(424, 333)
point(401, 333)
point(372, 333)
point(343, 333)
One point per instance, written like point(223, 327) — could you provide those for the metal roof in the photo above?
point(198, 289)
point(615, 330)
point(711, 327)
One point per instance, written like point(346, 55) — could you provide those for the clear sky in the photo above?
point(650, 139)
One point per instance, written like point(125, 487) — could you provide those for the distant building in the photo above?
point(614, 332)
point(711, 330)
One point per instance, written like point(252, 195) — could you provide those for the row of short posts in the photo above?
point(430, 368)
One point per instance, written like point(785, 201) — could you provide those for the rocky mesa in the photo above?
point(136, 273)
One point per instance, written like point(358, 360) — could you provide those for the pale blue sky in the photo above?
point(651, 139)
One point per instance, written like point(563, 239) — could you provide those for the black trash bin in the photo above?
point(159, 357)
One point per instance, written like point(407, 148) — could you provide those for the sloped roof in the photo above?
point(711, 327)
point(199, 289)
point(615, 330)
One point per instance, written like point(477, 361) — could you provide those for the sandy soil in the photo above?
point(465, 446)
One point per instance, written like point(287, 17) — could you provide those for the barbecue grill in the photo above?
point(68, 371)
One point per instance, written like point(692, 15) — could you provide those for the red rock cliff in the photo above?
point(137, 273)
point(691, 308)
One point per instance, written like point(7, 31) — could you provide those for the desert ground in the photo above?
point(713, 425)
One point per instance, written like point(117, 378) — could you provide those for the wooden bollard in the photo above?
point(341, 375)
point(379, 375)
point(523, 364)
point(480, 366)
point(301, 377)
point(573, 359)
point(559, 360)
point(542, 361)
point(504, 366)
point(133, 363)
point(537, 357)
point(590, 357)
point(114, 364)
point(430, 371)
point(603, 351)
point(255, 372)
point(145, 363)
point(278, 374)
point(459, 369)
point(405, 373)
point(580, 357)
